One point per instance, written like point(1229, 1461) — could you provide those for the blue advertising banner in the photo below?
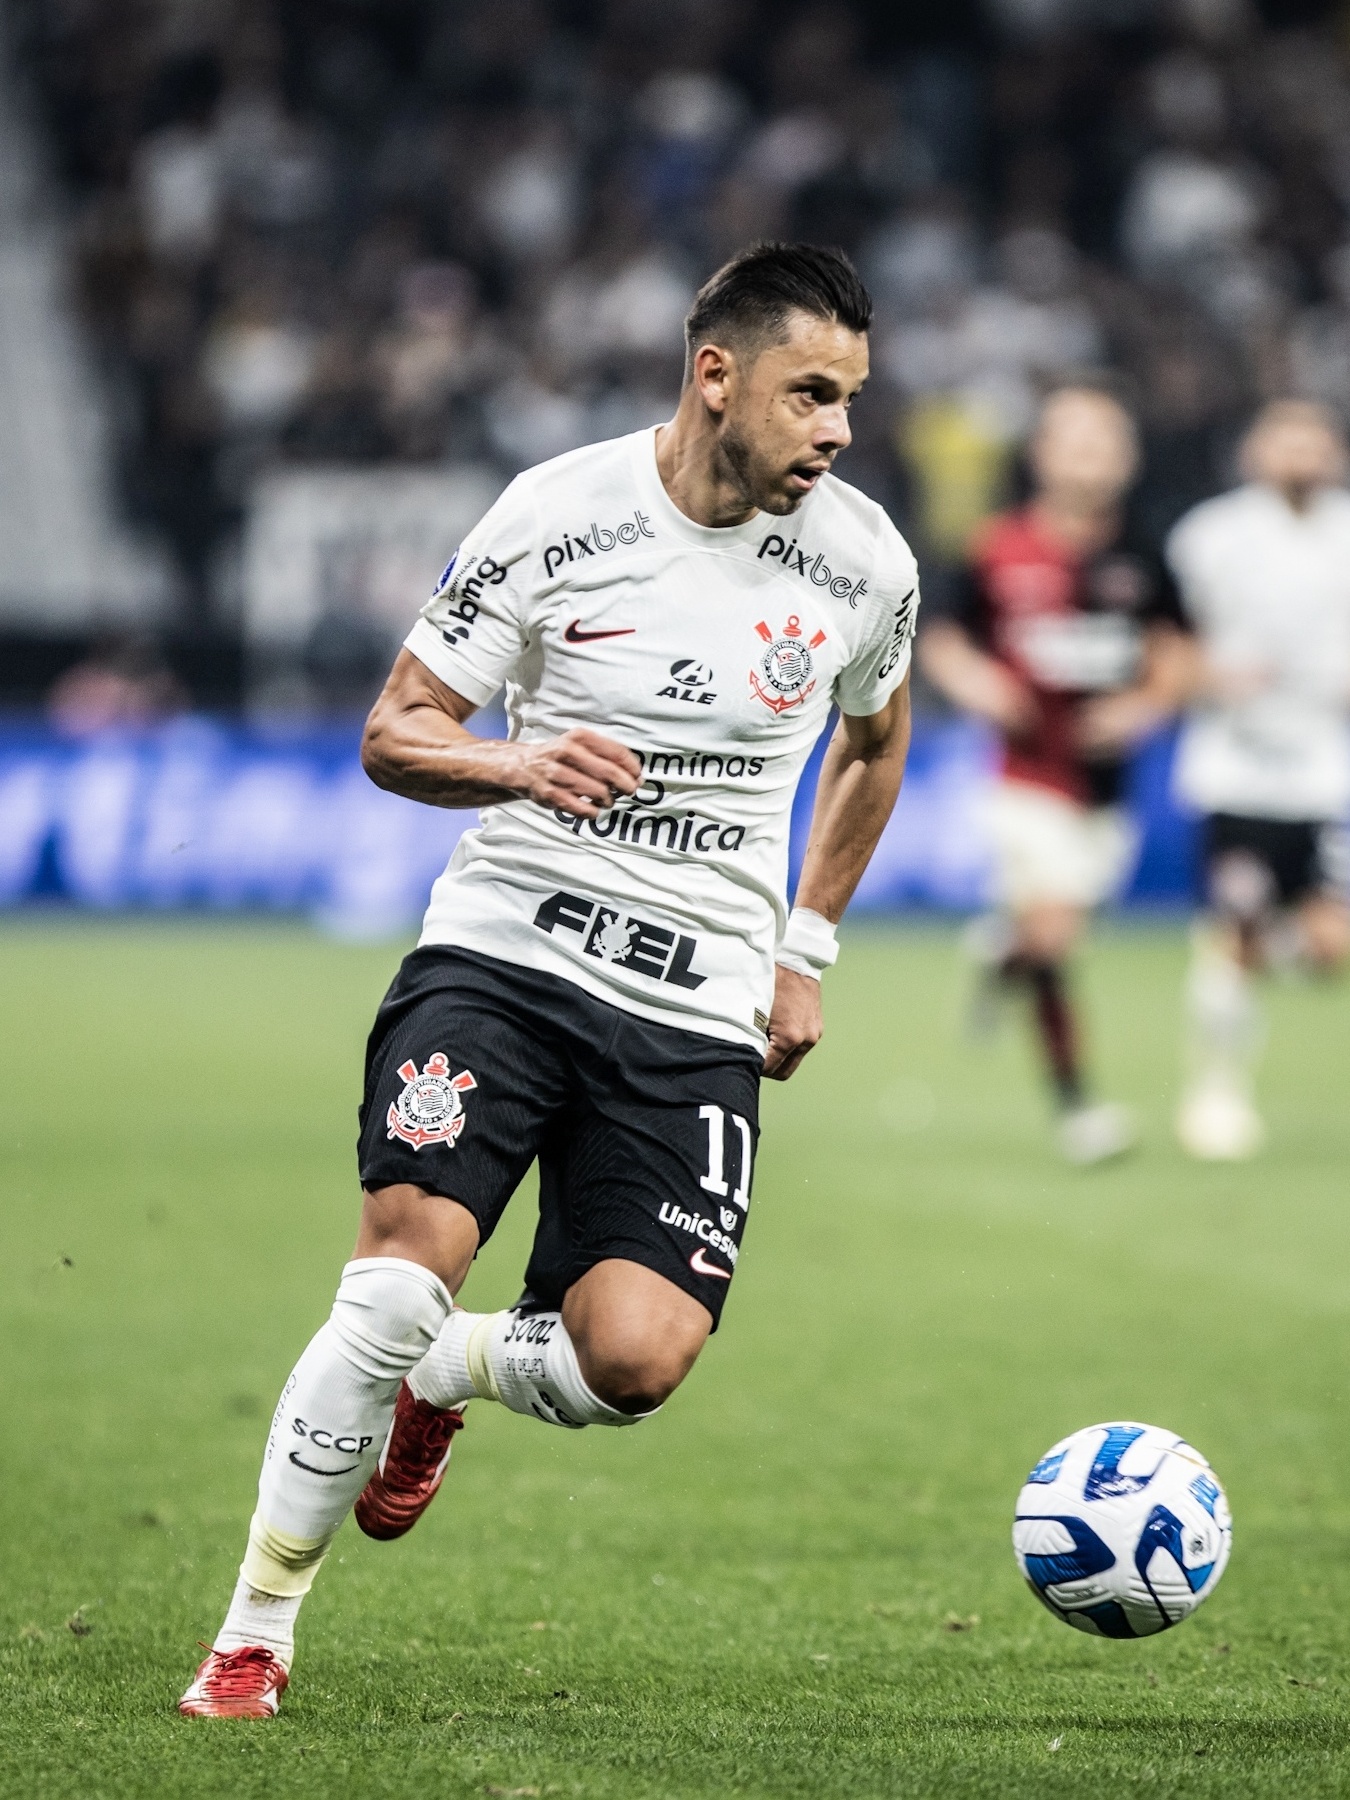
point(200, 814)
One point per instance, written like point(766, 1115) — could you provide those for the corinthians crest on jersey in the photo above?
point(429, 1110)
point(784, 676)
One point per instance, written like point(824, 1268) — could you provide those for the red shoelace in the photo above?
point(422, 1452)
point(237, 1672)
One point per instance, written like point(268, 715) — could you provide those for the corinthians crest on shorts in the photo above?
point(429, 1110)
point(784, 676)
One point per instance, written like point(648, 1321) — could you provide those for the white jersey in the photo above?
point(1269, 588)
point(715, 656)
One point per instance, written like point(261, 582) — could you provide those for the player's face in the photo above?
point(786, 415)
point(1296, 454)
point(1084, 447)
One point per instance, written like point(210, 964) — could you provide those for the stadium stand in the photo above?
point(416, 233)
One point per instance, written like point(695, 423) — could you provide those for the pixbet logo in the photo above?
point(688, 682)
point(813, 569)
point(576, 545)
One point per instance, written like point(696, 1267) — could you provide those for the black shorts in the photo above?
point(645, 1134)
point(1252, 865)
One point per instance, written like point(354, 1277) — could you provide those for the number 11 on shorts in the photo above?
point(715, 1181)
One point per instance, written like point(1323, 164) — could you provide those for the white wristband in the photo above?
point(808, 944)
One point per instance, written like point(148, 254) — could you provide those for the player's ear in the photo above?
point(712, 372)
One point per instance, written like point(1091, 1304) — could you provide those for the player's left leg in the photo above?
point(623, 1340)
point(1056, 861)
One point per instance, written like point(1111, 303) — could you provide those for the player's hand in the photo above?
point(580, 773)
point(795, 1024)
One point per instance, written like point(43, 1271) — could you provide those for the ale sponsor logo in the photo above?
point(688, 682)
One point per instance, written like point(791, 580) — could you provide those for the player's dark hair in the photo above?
point(747, 302)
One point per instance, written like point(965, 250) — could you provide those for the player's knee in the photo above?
point(386, 1315)
point(1326, 938)
point(631, 1375)
point(1048, 933)
point(632, 1386)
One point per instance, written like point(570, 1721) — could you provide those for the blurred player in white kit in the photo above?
point(1264, 572)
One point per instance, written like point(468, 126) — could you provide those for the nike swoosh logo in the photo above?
point(574, 635)
point(311, 1470)
point(700, 1262)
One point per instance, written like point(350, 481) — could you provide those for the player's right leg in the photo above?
point(457, 1093)
point(1217, 1120)
point(330, 1423)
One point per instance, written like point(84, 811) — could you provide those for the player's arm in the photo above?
point(1171, 672)
point(972, 680)
point(415, 744)
point(855, 796)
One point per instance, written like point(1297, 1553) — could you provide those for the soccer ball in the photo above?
point(1122, 1530)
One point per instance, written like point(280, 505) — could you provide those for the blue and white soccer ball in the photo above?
point(1122, 1530)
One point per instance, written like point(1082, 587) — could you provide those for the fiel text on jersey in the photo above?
point(613, 936)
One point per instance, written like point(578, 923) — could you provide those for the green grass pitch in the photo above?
point(758, 1593)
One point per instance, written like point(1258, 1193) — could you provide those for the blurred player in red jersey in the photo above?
point(1066, 634)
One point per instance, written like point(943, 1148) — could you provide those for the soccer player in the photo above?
point(1265, 575)
point(1065, 633)
point(608, 964)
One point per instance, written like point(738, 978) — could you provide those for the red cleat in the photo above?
point(412, 1468)
point(236, 1684)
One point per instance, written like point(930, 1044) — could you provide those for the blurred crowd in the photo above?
point(425, 231)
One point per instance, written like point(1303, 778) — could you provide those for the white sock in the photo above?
point(327, 1433)
point(258, 1618)
point(1224, 1030)
point(528, 1362)
point(442, 1377)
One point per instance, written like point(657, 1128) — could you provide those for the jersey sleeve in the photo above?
point(882, 659)
point(473, 629)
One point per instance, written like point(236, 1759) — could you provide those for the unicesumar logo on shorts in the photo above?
point(785, 674)
point(429, 1110)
